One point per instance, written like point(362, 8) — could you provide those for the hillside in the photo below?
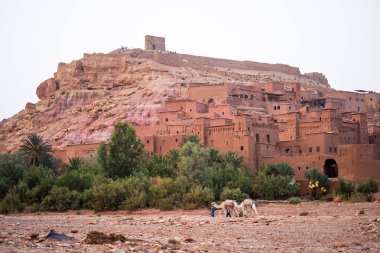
point(85, 97)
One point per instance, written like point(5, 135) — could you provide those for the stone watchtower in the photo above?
point(154, 43)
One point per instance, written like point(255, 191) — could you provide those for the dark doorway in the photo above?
point(331, 168)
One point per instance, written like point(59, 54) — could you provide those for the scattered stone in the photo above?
point(34, 236)
point(361, 212)
point(57, 236)
point(95, 237)
point(189, 240)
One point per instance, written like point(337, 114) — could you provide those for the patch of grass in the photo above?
point(294, 200)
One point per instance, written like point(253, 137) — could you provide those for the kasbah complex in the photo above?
point(337, 132)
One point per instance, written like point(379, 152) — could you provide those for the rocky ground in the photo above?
point(307, 227)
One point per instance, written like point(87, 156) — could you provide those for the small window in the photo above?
point(370, 99)
point(166, 119)
point(245, 96)
point(349, 98)
point(176, 140)
point(191, 110)
point(241, 148)
point(222, 113)
point(310, 150)
point(335, 149)
point(257, 138)
point(299, 168)
point(248, 128)
point(290, 107)
point(358, 109)
point(268, 138)
point(147, 141)
point(278, 107)
point(177, 132)
point(330, 149)
point(318, 149)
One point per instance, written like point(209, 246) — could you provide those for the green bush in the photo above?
point(345, 189)
point(275, 187)
point(168, 193)
point(234, 194)
point(11, 203)
point(136, 193)
point(294, 200)
point(61, 199)
point(198, 196)
point(108, 196)
point(76, 180)
point(358, 197)
point(370, 186)
point(130, 193)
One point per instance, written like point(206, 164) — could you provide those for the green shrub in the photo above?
point(198, 196)
point(358, 197)
point(294, 200)
point(33, 208)
point(39, 181)
point(370, 186)
point(76, 180)
point(234, 194)
point(108, 196)
point(275, 187)
point(345, 189)
point(130, 193)
point(168, 193)
point(136, 193)
point(61, 199)
point(11, 203)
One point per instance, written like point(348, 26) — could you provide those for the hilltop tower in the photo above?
point(154, 43)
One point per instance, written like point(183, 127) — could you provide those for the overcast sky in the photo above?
point(340, 38)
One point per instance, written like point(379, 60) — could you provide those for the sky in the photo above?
point(339, 38)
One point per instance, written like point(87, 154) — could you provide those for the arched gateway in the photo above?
point(331, 168)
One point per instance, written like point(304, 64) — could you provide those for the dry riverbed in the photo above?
point(323, 227)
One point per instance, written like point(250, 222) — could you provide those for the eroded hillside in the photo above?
point(81, 103)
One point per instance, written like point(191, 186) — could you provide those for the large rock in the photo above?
point(47, 87)
point(318, 77)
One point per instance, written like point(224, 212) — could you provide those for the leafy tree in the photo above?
point(36, 151)
point(11, 172)
point(192, 161)
point(121, 155)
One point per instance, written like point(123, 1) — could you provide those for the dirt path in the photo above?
point(328, 227)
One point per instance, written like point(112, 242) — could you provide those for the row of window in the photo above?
point(317, 149)
point(357, 99)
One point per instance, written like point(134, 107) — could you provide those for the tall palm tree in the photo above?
point(74, 163)
point(233, 158)
point(35, 150)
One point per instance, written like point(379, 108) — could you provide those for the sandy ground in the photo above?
point(328, 227)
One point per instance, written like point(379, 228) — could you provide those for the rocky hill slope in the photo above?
point(81, 103)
